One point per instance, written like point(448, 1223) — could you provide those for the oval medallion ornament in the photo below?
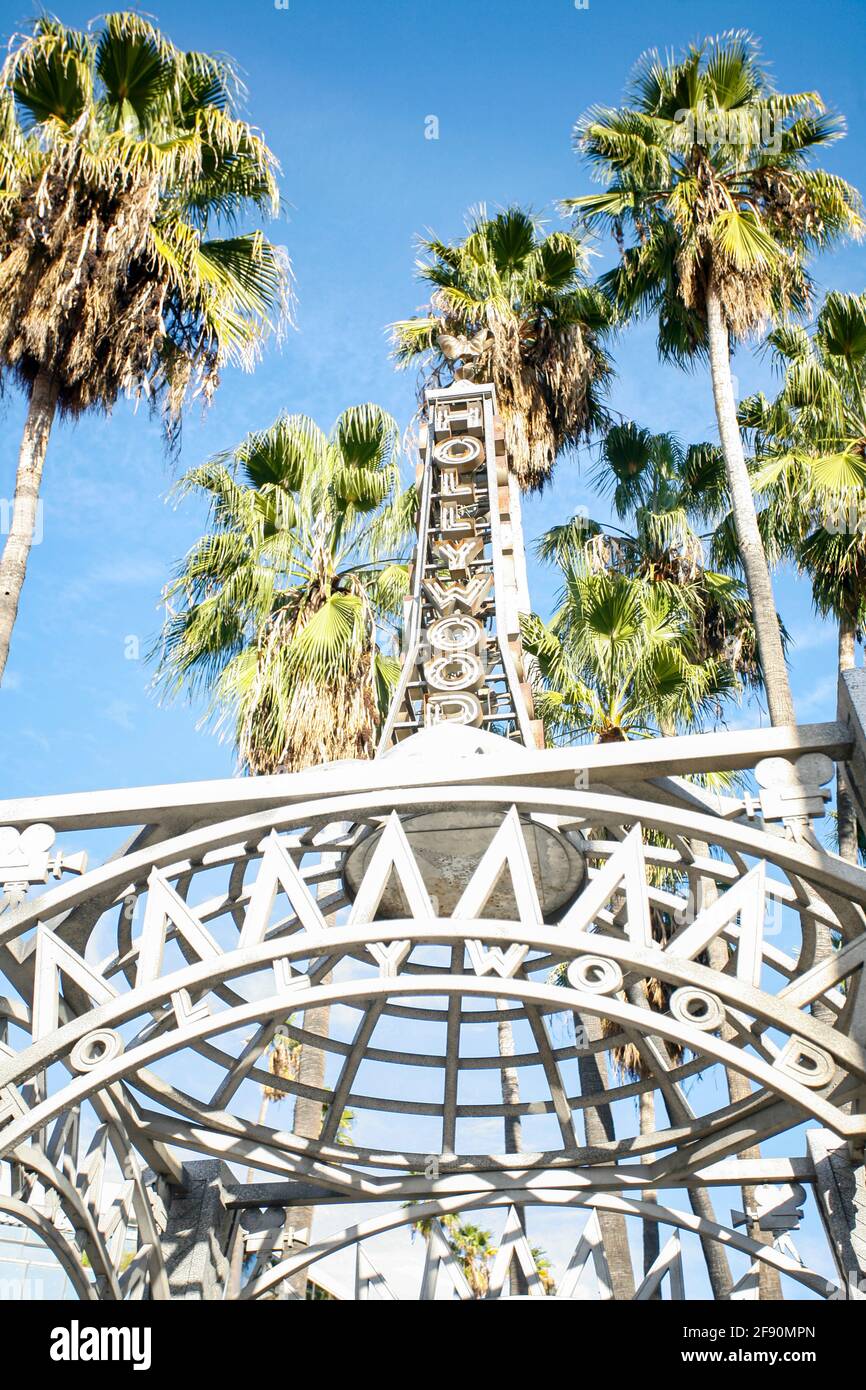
point(595, 975)
point(102, 1045)
point(698, 1008)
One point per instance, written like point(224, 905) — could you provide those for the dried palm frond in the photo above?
point(81, 289)
point(284, 1061)
point(317, 723)
point(626, 1058)
point(120, 156)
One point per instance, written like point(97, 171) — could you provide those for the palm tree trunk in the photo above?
point(308, 1122)
point(651, 1235)
point(598, 1122)
point(751, 546)
point(846, 819)
point(739, 1088)
point(510, 1083)
point(31, 458)
point(513, 1132)
point(715, 1258)
point(309, 1115)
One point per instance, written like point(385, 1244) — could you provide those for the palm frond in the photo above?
point(707, 167)
point(522, 297)
point(122, 166)
point(273, 615)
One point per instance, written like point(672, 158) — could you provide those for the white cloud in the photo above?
point(120, 712)
point(822, 696)
point(812, 635)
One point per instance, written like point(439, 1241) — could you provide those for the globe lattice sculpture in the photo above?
point(465, 887)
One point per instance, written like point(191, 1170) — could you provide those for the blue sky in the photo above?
point(343, 92)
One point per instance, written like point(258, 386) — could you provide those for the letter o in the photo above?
point(460, 449)
point(457, 671)
point(698, 1008)
point(595, 975)
point(457, 632)
point(102, 1045)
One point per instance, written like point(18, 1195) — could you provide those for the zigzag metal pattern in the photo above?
point(286, 924)
point(255, 922)
point(799, 1063)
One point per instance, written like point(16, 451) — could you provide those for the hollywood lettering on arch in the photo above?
point(463, 657)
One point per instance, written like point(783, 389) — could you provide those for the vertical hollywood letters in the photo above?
point(456, 670)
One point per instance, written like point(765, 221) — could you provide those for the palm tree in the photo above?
point(663, 493)
point(811, 470)
point(709, 167)
point(279, 615)
point(545, 1270)
point(513, 305)
point(475, 1250)
point(618, 659)
point(621, 659)
point(275, 614)
point(121, 157)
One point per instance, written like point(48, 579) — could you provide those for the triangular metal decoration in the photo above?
point(369, 1282)
point(392, 854)
point(625, 869)
point(514, 1246)
point(589, 1247)
point(440, 1256)
point(164, 905)
point(668, 1262)
point(747, 899)
point(508, 850)
point(54, 956)
point(748, 1288)
point(277, 871)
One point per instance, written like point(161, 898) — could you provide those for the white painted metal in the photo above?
point(143, 991)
